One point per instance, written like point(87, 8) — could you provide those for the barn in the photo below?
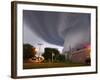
point(81, 56)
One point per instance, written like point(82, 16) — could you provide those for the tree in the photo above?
point(88, 61)
point(28, 51)
point(51, 53)
point(48, 53)
point(60, 58)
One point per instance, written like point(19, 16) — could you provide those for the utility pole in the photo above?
point(52, 56)
point(70, 52)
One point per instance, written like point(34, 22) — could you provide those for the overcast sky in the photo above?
point(56, 29)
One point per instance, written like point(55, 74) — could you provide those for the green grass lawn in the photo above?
point(51, 65)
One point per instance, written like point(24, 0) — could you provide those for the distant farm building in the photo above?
point(80, 56)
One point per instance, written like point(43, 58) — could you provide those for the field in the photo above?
point(51, 65)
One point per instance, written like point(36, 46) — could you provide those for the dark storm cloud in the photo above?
point(59, 28)
point(44, 24)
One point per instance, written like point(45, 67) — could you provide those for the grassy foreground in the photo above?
point(51, 65)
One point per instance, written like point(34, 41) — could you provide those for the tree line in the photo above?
point(50, 54)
